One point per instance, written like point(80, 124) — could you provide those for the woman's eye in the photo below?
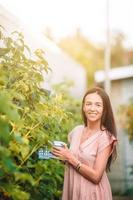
point(88, 104)
point(99, 105)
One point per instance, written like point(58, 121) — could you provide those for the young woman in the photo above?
point(92, 148)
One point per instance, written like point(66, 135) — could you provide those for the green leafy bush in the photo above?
point(126, 111)
point(126, 117)
point(29, 117)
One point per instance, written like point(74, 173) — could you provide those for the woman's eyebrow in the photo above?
point(93, 102)
point(88, 101)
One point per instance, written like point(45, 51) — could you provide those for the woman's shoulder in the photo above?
point(74, 131)
point(106, 138)
point(81, 126)
point(107, 135)
point(78, 127)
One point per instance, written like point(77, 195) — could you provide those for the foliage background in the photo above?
point(91, 56)
point(127, 111)
point(126, 121)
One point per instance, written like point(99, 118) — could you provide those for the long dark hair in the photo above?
point(107, 119)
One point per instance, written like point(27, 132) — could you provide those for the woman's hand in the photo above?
point(63, 153)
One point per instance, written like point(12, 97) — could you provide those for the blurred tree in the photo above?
point(83, 52)
point(91, 56)
point(126, 111)
point(126, 120)
point(118, 52)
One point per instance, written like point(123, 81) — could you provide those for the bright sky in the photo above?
point(63, 16)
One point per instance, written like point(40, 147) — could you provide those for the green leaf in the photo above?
point(6, 106)
point(24, 177)
point(4, 131)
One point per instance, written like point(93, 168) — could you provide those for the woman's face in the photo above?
point(93, 107)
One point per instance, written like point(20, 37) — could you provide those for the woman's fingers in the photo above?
point(57, 148)
point(61, 152)
point(65, 146)
point(56, 152)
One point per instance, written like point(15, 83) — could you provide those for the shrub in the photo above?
point(29, 117)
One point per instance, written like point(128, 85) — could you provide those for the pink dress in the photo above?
point(76, 187)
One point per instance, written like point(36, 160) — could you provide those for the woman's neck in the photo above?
point(93, 126)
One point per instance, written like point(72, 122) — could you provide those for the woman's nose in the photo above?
point(92, 107)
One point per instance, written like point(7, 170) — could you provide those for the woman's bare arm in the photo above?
point(93, 174)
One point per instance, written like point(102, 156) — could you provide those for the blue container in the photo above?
point(44, 154)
